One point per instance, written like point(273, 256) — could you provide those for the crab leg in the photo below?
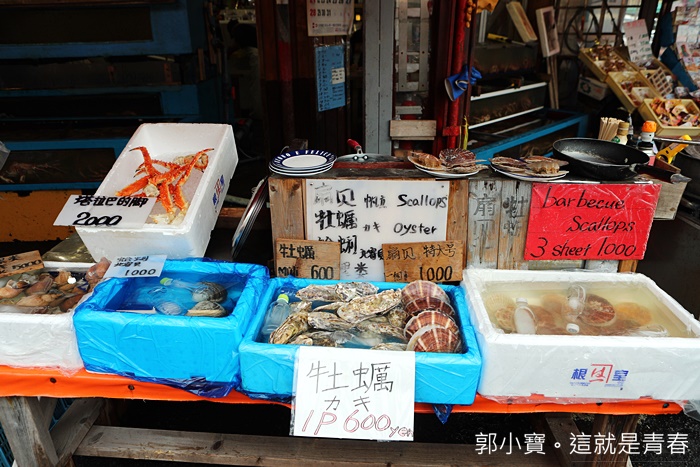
point(129, 190)
point(178, 197)
point(148, 163)
point(164, 197)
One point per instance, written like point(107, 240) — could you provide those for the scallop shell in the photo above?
point(598, 311)
point(362, 308)
point(429, 318)
point(496, 301)
point(207, 308)
point(420, 288)
point(327, 321)
point(429, 303)
point(556, 303)
point(504, 319)
point(633, 311)
point(434, 339)
point(290, 328)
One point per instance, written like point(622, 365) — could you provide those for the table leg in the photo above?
point(610, 428)
point(22, 420)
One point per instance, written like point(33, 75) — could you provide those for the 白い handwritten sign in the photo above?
point(307, 258)
point(573, 221)
point(354, 393)
point(362, 215)
point(431, 261)
point(105, 211)
point(136, 266)
point(22, 262)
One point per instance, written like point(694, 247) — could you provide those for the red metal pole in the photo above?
point(451, 129)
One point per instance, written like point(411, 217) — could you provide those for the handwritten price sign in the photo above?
point(105, 211)
point(137, 266)
point(590, 222)
point(354, 393)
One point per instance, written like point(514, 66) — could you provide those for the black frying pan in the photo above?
point(608, 161)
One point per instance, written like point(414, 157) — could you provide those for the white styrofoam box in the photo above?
point(576, 368)
point(41, 341)
point(165, 141)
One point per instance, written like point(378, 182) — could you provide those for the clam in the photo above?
point(209, 291)
point(62, 278)
point(434, 339)
point(429, 303)
point(207, 308)
point(429, 318)
point(420, 288)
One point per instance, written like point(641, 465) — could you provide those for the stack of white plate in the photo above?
point(302, 163)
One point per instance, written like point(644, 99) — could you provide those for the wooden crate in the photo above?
point(630, 98)
point(647, 113)
point(657, 74)
point(596, 66)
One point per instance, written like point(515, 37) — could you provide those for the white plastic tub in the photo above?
point(190, 237)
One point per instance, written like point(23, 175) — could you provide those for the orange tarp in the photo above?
point(53, 383)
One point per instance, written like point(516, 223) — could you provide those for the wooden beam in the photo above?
point(72, 427)
point(22, 421)
point(613, 426)
point(213, 448)
point(558, 429)
point(412, 129)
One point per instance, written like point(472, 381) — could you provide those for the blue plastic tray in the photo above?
point(267, 370)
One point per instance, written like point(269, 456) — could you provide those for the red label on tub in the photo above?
point(579, 221)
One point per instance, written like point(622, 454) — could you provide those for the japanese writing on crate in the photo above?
point(329, 17)
point(599, 374)
point(354, 394)
point(123, 201)
point(361, 215)
point(218, 190)
point(582, 443)
point(330, 77)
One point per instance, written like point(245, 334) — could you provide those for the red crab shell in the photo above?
point(419, 288)
point(429, 318)
point(429, 303)
point(434, 339)
point(598, 311)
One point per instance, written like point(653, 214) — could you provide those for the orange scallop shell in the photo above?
point(434, 339)
point(429, 318)
point(598, 311)
point(635, 312)
point(420, 288)
point(429, 303)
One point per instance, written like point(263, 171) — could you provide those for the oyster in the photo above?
point(383, 329)
point(429, 318)
point(390, 346)
point(421, 288)
point(398, 317)
point(302, 339)
point(349, 290)
point(313, 292)
point(300, 306)
point(207, 308)
point(327, 321)
point(323, 338)
point(290, 328)
point(362, 308)
point(434, 339)
point(210, 291)
point(340, 292)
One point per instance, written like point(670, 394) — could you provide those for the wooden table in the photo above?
point(27, 400)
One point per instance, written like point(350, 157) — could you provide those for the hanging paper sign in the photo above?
point(329, 17)
point(307, 258)
point(136, 266)
point(362, 215)
point(354, 393)
point(576, 221)
point(105, 211)
point(430, 261)
point(22, 262)
point(638, 42)
point(330, 77)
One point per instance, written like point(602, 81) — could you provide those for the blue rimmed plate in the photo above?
point(303, 160)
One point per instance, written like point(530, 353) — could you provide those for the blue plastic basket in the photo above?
point(6, 457)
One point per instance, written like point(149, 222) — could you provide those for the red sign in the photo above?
point(578, 221)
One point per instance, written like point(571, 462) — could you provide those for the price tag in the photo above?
point(573, 221)
point(354, 393)
point(136, 266)
point(430, 261)
point(638, 42)
point(307, 258)
point(119, 212)
point(23, 262)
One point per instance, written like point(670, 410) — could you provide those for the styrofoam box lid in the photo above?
point(165, 141)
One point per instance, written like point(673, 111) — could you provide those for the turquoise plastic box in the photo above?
point(184, 351)
point(267, 370)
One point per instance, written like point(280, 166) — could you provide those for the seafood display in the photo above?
point(578, 311)
point(165, 181)
point(531, 166)
point(201, 297)
point(48, 292)
point(418, 317)
point(675, 112)
point(452, 160)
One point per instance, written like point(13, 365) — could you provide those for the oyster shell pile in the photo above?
point(357, 314)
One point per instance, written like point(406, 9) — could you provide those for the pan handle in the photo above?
point(661, 174)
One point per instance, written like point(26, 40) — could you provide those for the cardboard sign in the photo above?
point(362, 215)
point(638, 42)
point(574, 221)
point(307, 258)
point(105, 211)
point(23, 262)
point(354, 393)
point(430, 261)
point(136, 266)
